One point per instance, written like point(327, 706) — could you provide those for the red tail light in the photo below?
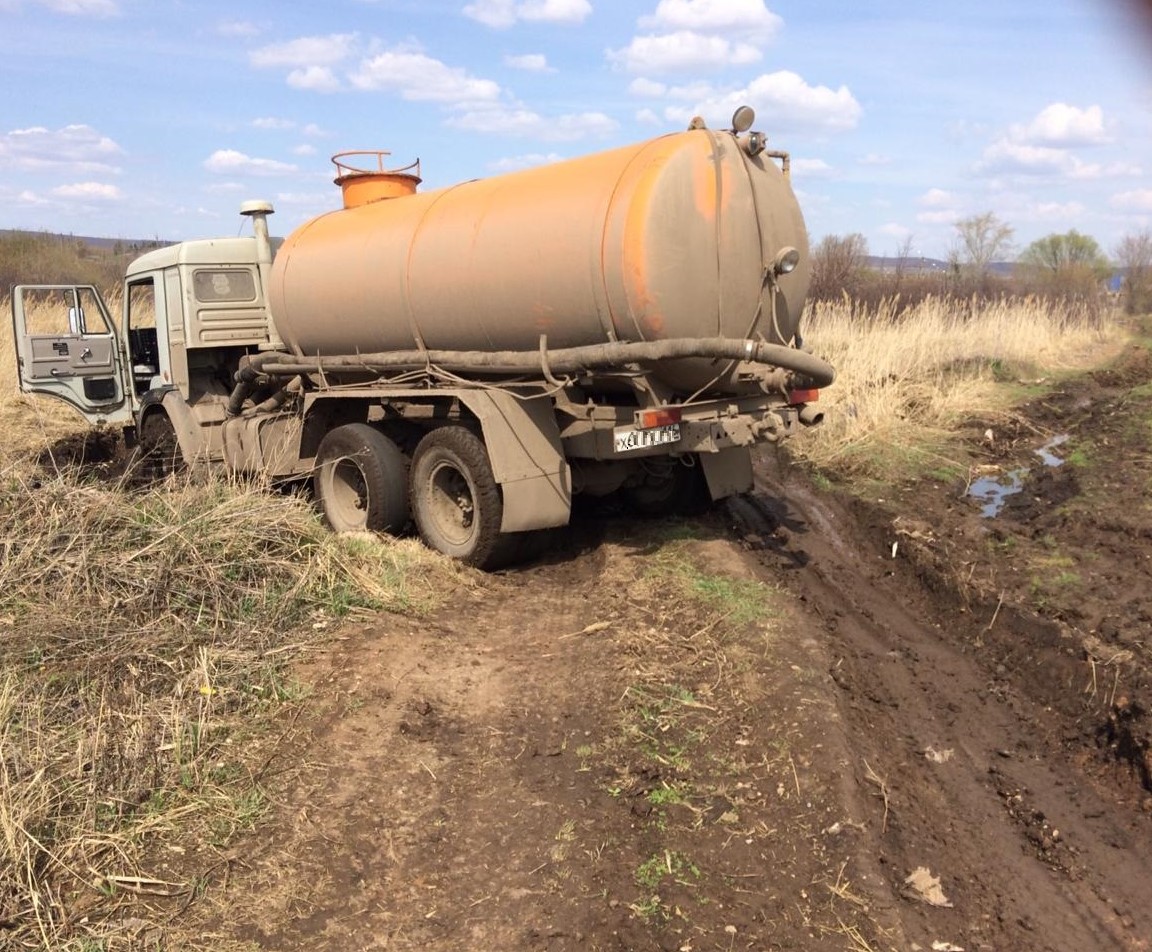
point(665, 416)
point(803, 396)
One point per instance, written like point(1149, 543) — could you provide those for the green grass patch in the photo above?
point(738, 601)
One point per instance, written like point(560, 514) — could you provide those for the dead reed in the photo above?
point(907, 380)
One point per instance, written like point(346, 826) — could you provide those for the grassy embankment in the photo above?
point(145, 689)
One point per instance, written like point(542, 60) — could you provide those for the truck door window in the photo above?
point(142, 344)
point(62, 312)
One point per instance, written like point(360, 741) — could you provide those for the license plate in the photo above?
point(633, 438)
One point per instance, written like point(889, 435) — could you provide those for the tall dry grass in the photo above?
point(145, 640)
point(906, 382)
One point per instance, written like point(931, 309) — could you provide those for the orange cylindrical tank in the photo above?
point(672, 237)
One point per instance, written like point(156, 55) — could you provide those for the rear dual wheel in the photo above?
point(456, 500)
point(363, 483)
point(361, 480)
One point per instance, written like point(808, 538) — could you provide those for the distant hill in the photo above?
point(132, 246)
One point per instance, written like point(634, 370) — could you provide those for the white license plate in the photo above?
point(633, 438)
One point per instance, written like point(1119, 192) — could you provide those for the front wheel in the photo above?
point(159, 449)
point(456, 500)
point(361, 480)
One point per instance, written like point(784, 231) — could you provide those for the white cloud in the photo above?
point(648, 117)
point(272, 122)
point(305, 148)
point(1059, 211)
point(895, 230)
point(944, 217)
point(875, 158)
point(82, 8)
point(937, 198)
point(532, 62)
point(811, 168)
point(647, 88)
point(682, 50)
point(1138, 200)
point(780, 98)
point(420, 78)
point(514, 163)
point(1044, 145)
point(239, 28)
point(555, 11)
point(519, 121)
point(747, 18)
point(306, 51)
point(318, 79)
point(311, 129)
point(77, 148)
point(1061, 126)
point(229, 161)
point(500, 14)
point(88, 190)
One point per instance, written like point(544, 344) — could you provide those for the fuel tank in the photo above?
point(689, 235)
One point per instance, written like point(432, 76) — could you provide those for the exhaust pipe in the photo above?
point(810, 416)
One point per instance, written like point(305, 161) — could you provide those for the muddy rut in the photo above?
point(886, 724)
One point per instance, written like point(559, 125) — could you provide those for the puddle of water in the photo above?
point(1047, 457)
point(992, 491)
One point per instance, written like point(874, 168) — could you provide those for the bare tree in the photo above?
point(1134, 258)
point(983, 239)
point(837, 263)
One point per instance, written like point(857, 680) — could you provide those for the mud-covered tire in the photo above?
point(680, 491)
point(158, 453)
point(361, 481)
point(456, 500)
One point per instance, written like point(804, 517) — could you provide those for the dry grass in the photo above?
point(145, 688)
point(143, 659)
point(905, 385)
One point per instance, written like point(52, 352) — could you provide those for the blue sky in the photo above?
point(156, 118)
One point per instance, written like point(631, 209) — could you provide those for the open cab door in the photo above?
point(66, 348)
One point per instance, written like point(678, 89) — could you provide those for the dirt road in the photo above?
point(801, 722)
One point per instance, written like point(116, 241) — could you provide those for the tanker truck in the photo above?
point(466, 360)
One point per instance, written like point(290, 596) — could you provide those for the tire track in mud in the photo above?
point(1030, 854)
point(426, 772)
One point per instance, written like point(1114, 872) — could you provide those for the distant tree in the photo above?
point(837, 266)
point(1068, 253)
point(1134, 258)
point(983, 239)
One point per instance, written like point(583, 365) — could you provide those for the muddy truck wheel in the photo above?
point(361, 480)
point(158, 453)
point(456, 500)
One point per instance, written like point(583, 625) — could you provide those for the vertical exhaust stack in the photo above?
point(259, 211)
point(362, 186)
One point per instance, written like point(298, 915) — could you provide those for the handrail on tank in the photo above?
point(344, 168)
point(363, 186)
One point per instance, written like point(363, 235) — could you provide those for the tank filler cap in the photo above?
point(364, 177)
point(256, 207)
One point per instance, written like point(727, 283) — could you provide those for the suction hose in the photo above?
point(812, 370)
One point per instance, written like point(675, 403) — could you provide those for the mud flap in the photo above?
point(523, 443)
point(727, 472)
